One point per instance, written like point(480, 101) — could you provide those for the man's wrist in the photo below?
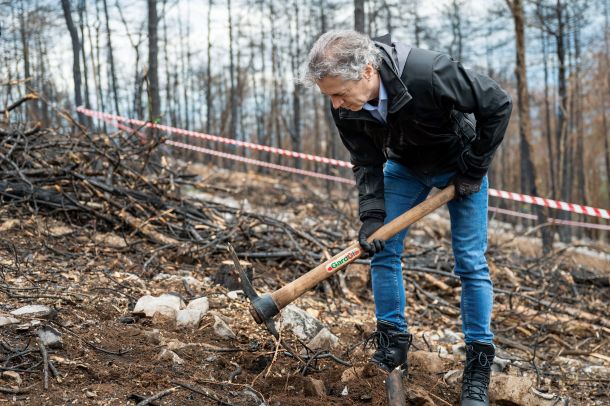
point(373, 214)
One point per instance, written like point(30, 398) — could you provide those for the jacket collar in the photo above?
point(398, 94)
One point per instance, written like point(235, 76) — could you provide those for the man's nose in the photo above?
point(337, 101)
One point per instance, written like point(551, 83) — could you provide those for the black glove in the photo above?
point(465, 185)
point(371, 223)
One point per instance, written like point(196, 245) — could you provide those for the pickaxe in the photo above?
point(264, 307)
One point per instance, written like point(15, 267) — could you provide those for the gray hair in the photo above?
point(343, 53)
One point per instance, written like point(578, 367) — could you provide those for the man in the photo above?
point(414, 119)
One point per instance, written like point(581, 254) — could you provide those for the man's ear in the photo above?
point(368, 72)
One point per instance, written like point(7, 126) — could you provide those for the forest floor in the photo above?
point(550, 317)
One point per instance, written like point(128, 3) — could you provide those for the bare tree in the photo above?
point(208, 88)
point(138, 80)
point(530, 181)
point(153, 52)
point(25, 47)
point(453, 12)
point(232, 68)
point(295, 58)
point(359, 15)
point(111, 60)
point(75, 55)
point(81, 11)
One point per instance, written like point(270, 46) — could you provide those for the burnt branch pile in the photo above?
point(115, 183)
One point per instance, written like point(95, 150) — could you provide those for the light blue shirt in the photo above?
point(380, 111)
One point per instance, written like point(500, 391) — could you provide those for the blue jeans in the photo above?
point(403, 190)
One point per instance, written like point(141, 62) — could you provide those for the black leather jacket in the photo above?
point(441, 117)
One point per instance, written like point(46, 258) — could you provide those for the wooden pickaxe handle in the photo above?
point(287, 294)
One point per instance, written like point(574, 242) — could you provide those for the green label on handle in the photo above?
point(345, 259)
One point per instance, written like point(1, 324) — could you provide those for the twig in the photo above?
point(236, 372)
point(15, 391)
point(45, 361)
point(158, 396)
point(278, 341)
point(207, 395)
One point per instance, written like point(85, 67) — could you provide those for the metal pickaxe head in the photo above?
point(262, 308)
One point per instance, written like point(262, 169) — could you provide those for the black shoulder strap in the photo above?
point(402, 53)
point(398, 53)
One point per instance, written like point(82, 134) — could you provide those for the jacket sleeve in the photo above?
point(469, 92)
point(367, 159)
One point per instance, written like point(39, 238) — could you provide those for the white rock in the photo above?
point(302, 324)
point(324, 340)
point(499, 364)
point(188, 317)
point(50, 337)
point(222, 329)
point(192, 282)
point(164, 277)
point(597, 371)
point(194, 312)
point(166, 354)
point(38, 311)
point(345, 391)
point(508, 389)
point(201, 303)
point(235, 294)
point(5, 321)
point(166, 305)
point(454, 376)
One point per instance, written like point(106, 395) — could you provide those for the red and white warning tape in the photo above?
point(554, 204)
point(115, 120)
point(550, 220)
point(240, 158)
point(215, 138)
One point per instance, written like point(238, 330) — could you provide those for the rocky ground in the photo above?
point(104, 315)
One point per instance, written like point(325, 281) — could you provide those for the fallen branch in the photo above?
point(29, 96)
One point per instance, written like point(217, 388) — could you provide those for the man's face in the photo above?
point(351, 94)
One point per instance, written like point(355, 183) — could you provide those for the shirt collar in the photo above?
point(383, 96)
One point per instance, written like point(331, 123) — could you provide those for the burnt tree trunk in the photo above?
point(530, 182)
point(81, 12)
point(153, 52)
point(208, 88)
point(111, 60)
point(359, 15)
point(65, 4)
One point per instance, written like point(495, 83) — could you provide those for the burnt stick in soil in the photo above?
point(264, 308)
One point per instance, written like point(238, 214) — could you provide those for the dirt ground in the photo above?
point(112, 357)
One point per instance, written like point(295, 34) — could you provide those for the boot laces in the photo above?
point(380, 340)
point(476, 377)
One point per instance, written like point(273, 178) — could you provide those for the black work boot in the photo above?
point(477, 372)
point(392, 346)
